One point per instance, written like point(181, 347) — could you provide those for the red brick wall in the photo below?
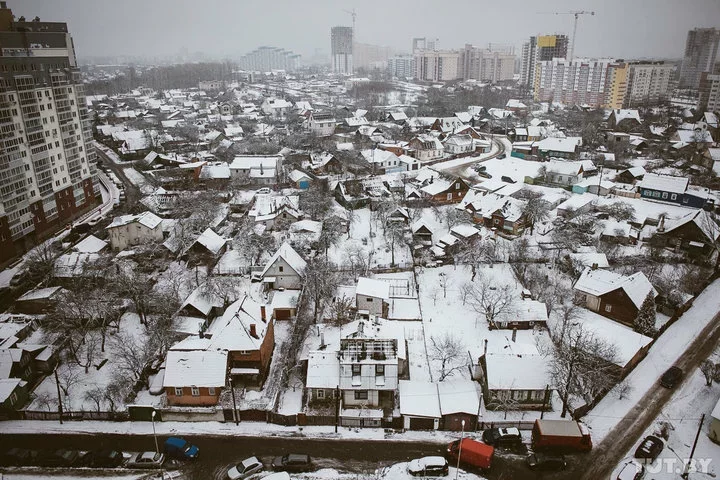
point(188, 399)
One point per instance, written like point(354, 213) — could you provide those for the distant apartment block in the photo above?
point(437, 65)
point(486, 64)
point(401, 66)
point(710, 91)
point(541, 48)
point(701, 49)
point(265, 59)
point(595, 83)
point(341, 48)
point(47, 165)
point(648, 82)
point(371, 57)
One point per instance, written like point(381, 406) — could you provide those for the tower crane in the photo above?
point(353, 15)
point(576, 14)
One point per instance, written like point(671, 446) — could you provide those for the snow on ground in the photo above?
point(459, 162)
point(399, 472)
point(139, 180)
point(45, 476)
point(682, 414)
point(664, 352)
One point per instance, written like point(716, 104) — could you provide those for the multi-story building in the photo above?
point(370, 56)
point(710, 91)
point(265, 59)
point(47, 165)
point(437, 65)
point(490, 64)
point(596, 83)
point(701, 49)
point(541, 48)
point(423, 43)
point(402, 66)
point(341, 48)
point(648, 82)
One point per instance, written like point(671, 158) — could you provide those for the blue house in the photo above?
point(300, 179)
point(672, 189)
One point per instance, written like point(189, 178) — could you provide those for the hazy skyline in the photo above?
point(620, 28)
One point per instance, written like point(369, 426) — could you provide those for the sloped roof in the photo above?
point(599, 282)
point(419, 398)
point(287, 253)
point(323, 369)
point(701, 218)
point(458, 396)
point(664, 183)
point(195, 368)
point(371, 287)
point(232, 331)
point(211, 240)
point(90, 244)
point(148, 219)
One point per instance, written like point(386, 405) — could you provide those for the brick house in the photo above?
point(194, 377)
point(443, 190)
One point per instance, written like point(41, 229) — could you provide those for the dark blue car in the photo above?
point(177, 447)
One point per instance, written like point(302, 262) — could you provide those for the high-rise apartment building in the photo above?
point(701, 49)
point(541, 48)
point(401, 66)
point(423, 43)
point(648, 82)
point(710, 91)
point(368, 56)
point(265, 59)
point(596, 83)
point(437, 65)
point(486, 64)
point(47, 165)
point(341, 49)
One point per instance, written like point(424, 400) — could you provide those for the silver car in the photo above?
point(245, 468)
point(146, 460)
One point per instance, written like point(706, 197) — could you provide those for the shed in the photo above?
point(459, 400)
point(419, 405)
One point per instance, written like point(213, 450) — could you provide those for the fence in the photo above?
point(82, 415)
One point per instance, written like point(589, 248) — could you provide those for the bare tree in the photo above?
point(132, 355)
point(95, 395)
point(535, 210)
point(448, 354)
point(622, 389)
point(340, 311)
point(40, 263)
point(444, 281)
point(394, 236)
point(475, 253)
point(320, 282)
point(489, 299)
point(46, 400)
point(68, 377)
point(711, 371)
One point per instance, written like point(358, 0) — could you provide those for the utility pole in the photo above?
point(686, 473)
point(60, 405)
point(337, 407)
point(545, 400)
point(232, 392)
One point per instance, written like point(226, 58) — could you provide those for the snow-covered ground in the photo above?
point(681, 417)
point(664, 352)
point(139, 180)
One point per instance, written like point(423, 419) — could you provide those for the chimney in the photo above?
point(262, 313)
point(594, 266)
point(322, 340)
point(514, 336)
point(661, 223)
point(485, 348)
point(253, 332)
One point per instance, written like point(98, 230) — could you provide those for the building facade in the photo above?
point(488, 64)
point(648, 82)
point(265, 59)
point(47, 165)
point(541, 48)
point(710, 91)
point(341, 48)
point(402, 66)
point(701, 49)
point(437, 65)
point(595, 83)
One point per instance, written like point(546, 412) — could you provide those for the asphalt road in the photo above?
point(462, 168)
point(217, 453)
point(132, 193)
point(606, 456)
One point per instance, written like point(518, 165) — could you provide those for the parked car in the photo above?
point(58, 458)
point(18, 457)
point(631, 470)
point(672, 377)
point(539, 461)
point(146, 460)
point(501, 156)
point(650, 448)
point(177, 447)
point(263, 191)
point(245, 468)
point(103, 458)
point(293, 463)
point(502, 437)
point(426, 466)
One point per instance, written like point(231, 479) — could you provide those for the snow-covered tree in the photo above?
point(645, 321)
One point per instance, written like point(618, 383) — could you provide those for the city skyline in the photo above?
point(228, 30)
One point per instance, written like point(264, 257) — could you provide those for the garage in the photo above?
point(422, 423)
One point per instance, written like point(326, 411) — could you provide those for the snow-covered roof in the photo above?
point(39, 294)
point(297, 175)
point(599, 282)
point(567, 145)
point(517, 372)
point(563, 167)
point(636, 171)
point(7, 387)
point(195, 368)
point(664, 183)
point(701, 218)
point(323, 369)
point(437, 186)
point(148, 219)
point(627, 342)
point(458, 396)
point(202, 301)
point(587, 259)
point(371, 287)
point(287, 253)
point(211, 240)
point(233, 331)
point(623, 114)
point(419, 398)
point(215, 170)
point(465, 230)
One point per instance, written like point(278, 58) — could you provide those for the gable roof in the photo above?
point(195, 368)
point(372, 287)
point(600, 282)
point(458, 396)
point(211, 241)
point(291, 257)
point(664, 183)
point(231, 332)
point(701, 218)
point(148, 219)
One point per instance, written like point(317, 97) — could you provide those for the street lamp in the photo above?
point(462, 436)
point(152, 419)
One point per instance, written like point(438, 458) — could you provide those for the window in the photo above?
point(608, 308)
point(673, 196)
point(457, 186)
point(369, 300)
point(195, 391)
point(449, 196)
point(280, 268)
point(361, 395)
point(379, 369)
point(356, 369)
point(178, 391)
point(211, 390)
point(13, 398)
point(320, 394)
point(664, 195)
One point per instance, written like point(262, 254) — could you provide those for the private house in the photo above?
point(17, 363)
point(613, 295)
point(300, 179)
point(419, 414)
point(382, 161)
point(443, 190)
point(517, 381)
point(564, 173)
point(323, 377)
point(194, 377)
point(37, 301)
point(496, 211)
point(321, 124)
point(523, 314)
point(276, 107)
point(13, 396)
point(207, 248)
point(696, 233)
point(630, 175)
point(129, 230)
point(202, 305)
point(421, 232)
point(459, 144)
point(285, 269)
point(516, 106)
point(372, 296)
point(624, 119)
point(257, 169)
point(425, 148)
point(668, 188)
point(325, 163)
point(447, 124)
point(459, 403)
point(557, 147)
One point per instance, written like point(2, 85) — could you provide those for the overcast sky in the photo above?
point(620, 28)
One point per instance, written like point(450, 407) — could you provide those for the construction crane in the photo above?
point(353, 15)
point(577, 14)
